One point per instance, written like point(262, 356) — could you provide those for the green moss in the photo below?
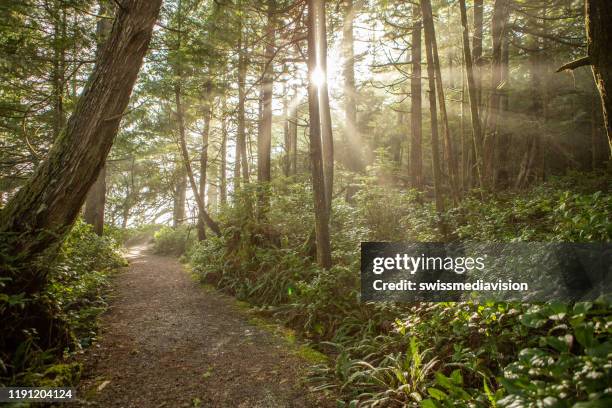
point(296, 348)
point(311, 355)
point(57, 375)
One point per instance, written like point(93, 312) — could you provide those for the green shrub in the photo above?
point(430, 354)
point(78, 280)
point(174, 241)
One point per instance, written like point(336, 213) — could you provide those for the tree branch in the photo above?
point(580, 62)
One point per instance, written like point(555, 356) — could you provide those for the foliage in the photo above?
point(433, 355)
point(79, 279)
point(554, 211)
point(174, 241)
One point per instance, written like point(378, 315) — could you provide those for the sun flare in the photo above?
point(318, 76)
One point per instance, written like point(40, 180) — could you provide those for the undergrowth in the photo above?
point(427, 354)
point(78, 281)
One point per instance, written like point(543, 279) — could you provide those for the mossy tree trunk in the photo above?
point(599, 36)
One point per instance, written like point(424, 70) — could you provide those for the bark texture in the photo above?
point(38, 217)
point(599, 37)
point(41, 213)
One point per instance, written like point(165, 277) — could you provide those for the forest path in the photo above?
point(167, 342)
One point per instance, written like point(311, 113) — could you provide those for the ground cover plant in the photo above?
point(435, 355)
point(254, 145)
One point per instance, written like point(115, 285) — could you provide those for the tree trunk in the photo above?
point(416, 153)
point(96, 198)
point(473, 95)
point(599, 38)
point(502, 155)
point(498, 32)
point(433, 110)
point(58, 73)
point(182, 143)
point(477, 47)
point(94, 206)
point(180, 194)
point(212, 195)
point(465, 149)
point(316, 156)
point(293, 131)
point(237, 160)
point(44, 209)
point(264, 141)
point(207, 117)
point(430, 32)
point(128, 202)
point(37, 218)
point(286, 160)
point(187, 161)
point(223, 154)
point(325, 113)
point(241, 138)
point(352, 137)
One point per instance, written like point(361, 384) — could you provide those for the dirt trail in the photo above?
point(166, 342)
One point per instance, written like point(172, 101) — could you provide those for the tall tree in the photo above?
point(498, 32)
point(473, 94)
point(599, 37)
point(324, 109)
point(430, 35)
point(180, 113)
point(416, 154)
point(36, 219)
point(265, 137)
point(58, 73)
point(477, 40)
point(293, 131)
point(94, 203)
point(264, 141)
point(241, 146)
point(286, 159)
point(433, 110)
point(223, 155)
point(182, 142)
point(180, 195)
point(352, 136)
point(316, 155)
point(207, 117)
